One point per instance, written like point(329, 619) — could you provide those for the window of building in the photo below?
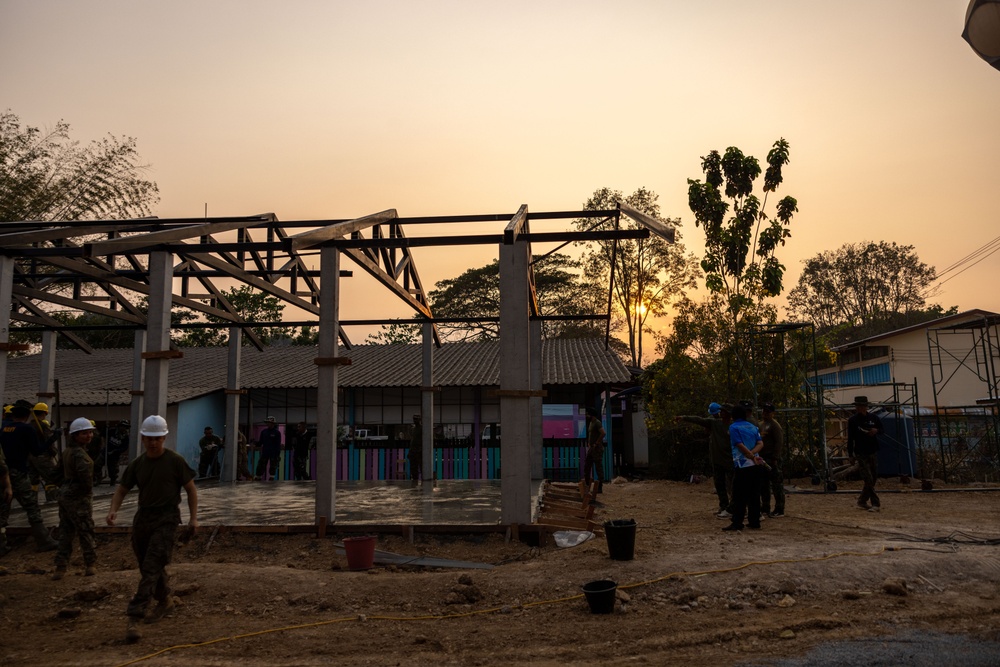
point(851, 356)
point(874, 352)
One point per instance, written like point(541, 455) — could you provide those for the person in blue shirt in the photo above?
point(744, 438)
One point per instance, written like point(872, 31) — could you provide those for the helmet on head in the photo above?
point(93, 423)
point(154, 426)
point(41, 407)
point(714, 408)
point(80, 424)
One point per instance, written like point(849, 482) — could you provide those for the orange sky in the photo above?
point(339, 109)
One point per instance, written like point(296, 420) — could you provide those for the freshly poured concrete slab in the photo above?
point(446, 502)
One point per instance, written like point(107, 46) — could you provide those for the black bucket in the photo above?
point(600, 596)
point(621, 538)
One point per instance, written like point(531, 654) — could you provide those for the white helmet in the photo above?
point(154, 426)
point(80, 424)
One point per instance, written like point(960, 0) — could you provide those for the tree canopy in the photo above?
point(46, 175)
point(252, 306)
point(864, 289)
point(393, 334)
point(649, 273)
point(740, 260)
point(560, 291)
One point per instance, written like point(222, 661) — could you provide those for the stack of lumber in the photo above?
point(567, 506)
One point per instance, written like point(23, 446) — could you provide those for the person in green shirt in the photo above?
point(160, 475)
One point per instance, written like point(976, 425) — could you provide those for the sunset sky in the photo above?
point(339, 109)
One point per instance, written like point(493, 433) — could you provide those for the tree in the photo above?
point(476, 294)
point(649, 273)
point(252, 306)
point(46, 176)
point(740, 260)
point(395, 334)
point(865, 288)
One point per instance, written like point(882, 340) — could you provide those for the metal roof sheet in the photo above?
point(106, 376)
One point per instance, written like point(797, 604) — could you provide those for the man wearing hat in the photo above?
point(270, 450)
point(719, 452)
point(863, 429)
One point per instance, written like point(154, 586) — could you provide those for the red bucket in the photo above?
point(360, 552)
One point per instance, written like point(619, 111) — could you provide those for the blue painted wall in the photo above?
point(192, 418)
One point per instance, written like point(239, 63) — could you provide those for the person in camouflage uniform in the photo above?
point(76, 500)
point(160, 474)
point(720, 454)
point(242, 469)
point(118, 441)
point(43, 465)
point(18, 441)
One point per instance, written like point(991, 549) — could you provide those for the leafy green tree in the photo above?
point(863, 289)
point(395, 334)
point(649, 273)
point(101, 331)
point(46, 176)
point(740, 260)
point(252, 306)
point(476, 294)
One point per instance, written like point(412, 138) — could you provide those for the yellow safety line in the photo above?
point(494, 610)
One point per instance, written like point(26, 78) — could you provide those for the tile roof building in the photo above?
point(380, 390)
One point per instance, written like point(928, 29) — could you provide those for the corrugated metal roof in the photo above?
point(106, 375)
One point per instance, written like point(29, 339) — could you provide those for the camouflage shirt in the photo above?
point(78, 473)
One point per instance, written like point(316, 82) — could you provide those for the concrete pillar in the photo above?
point(427, 403)
point(6, 288)
point(326, 391)
point(157, 353)
point(232, 403)
point(515, 382)
point(138, 374)
point(535, 401)
point(47, 370)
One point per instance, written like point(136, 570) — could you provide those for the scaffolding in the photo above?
point(783, 361)
point(965, 436)
point(897, 406)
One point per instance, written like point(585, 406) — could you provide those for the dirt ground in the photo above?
point(693, 594)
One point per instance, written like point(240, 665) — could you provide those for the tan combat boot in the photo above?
point(132, 633)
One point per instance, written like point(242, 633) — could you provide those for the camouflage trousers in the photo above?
point(76, 518)
point(868, 467)
point(25, 497)
point(773, 482)
point(153, 543)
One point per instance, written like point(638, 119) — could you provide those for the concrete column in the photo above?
point(515, 381)
point(158, 334)
point(427, 403)
point(47, 370)
point(535, 402)
point(138, 375)
point(326, 391)
point(232, 403)
point(6, 288)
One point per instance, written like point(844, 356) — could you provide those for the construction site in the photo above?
point(470, 559)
